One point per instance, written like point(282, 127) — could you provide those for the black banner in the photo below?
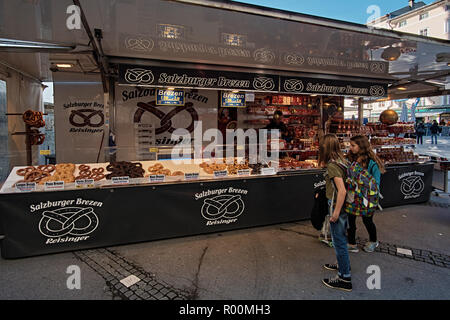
point(50, 222)
point(409, 184)
point(192, 78)
point(332, 87)
point(178, 78)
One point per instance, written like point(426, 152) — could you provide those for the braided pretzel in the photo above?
point(47, 168)
point(98, 170)
point(97, 176)
point(24, 171)
point(36, 176)
point(83, 167)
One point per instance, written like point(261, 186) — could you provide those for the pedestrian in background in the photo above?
point(331, 157)
point(361, 152)
point(434, 129)
point(420, 132)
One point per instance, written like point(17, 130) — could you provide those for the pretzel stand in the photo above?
point(32, 119)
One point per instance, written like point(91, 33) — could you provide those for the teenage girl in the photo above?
point(331, 157)
point(361, 151)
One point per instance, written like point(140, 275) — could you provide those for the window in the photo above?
point(424, 32)
point(423, 16)
point(447, 26)
point(402, 23)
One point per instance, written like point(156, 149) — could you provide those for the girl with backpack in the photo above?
point(361, 152)
point(331, 157)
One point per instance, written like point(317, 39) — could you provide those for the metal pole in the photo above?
point(360, 111)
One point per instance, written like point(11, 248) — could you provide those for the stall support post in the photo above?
point(28, 144)
point(360, 111)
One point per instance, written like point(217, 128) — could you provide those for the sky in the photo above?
point(347, 10)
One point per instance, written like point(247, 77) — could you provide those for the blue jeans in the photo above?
point(435, 138)
point(339, 236)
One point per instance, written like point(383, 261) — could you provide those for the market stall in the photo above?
point(118, 180)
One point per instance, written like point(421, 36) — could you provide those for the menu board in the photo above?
point(169, 97)
point(233, 99)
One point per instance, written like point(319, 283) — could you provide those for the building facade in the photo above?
point(431, 20)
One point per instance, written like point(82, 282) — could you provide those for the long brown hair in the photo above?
point(330, 150)
point(365, 153)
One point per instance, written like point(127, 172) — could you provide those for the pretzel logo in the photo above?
point(263, 83)
point(86, 115)
point(165, 118)
point(264, 55)
point(139, 44)
point(224, 206)
point(293, 85)
point(68, 221)
point(377, 67)
point(377, 91)
point(141, 76)
point(294, 59)
point(412, 187)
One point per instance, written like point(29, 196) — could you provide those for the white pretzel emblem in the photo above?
point(293, 85)
point(294, 59)
point(377, 91)
point(263, 83)
point(264, 55)
point(377, 67)
point(225, 206)
point(139, 76)
point(73, 221)
point(139, 44)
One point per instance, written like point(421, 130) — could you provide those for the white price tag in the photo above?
point(120, 180)
point(84, 183)
point(220, 174)
point(157, 178)
point(54, 185)
point(244, 172)
point(268, 171)
point(26, 186)
point(191, 176)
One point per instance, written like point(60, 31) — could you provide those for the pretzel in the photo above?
point(98, 170)
point(24, 171)
point(177, 173)
point(36, 176)
point(83, 167)
point(97, 176)
point(47, 168)
point(33, 118)
point(124, 168)
point(85, 174)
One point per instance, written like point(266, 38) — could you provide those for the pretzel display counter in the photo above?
point(165, 199)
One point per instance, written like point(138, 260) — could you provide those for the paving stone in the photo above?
point(128, 294)
point(146, 295)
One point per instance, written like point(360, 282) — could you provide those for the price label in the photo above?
point(268, 171)
point(84, 183)
point(220, 173)
point(120, 180)
point(26, 186)
point(191, 176)
point(244, 172)
point(157, 178)
point(54, 185)
point(153, 150)
point(44, 152)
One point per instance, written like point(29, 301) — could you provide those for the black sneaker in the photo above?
point(332, 267)
point(338, 283)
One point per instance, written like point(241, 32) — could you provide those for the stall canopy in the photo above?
point(216, 34)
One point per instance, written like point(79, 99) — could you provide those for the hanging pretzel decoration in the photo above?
point(36, 137)
point(33, 118)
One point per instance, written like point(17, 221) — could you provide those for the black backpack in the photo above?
point(320, 208)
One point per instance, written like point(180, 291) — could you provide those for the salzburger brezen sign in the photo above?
point(223, 80)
